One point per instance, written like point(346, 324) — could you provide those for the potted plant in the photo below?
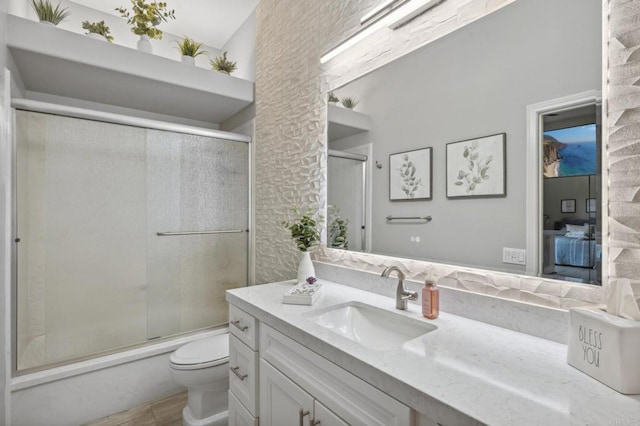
point(98, 30)
point(349, 102)
point(305, 233)
point(222, 64)
point(332, 98)
point(47, 14)
point(144, 18)
point(190, 49)
point(338, 229)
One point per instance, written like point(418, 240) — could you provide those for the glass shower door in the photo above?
point(197, 200)
point(93, 275)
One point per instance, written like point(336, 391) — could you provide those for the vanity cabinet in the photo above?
point(243, 368)
point(295, 386)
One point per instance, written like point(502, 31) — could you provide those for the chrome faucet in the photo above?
point(402, 294)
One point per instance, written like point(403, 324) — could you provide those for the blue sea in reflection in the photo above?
point(579, 150)
point(578, 159)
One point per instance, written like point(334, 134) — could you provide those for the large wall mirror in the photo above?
point(438, 139)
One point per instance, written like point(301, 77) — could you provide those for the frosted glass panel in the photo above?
point(203, 183)
point(93, 276)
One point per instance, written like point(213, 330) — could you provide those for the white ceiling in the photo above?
point(211, 22)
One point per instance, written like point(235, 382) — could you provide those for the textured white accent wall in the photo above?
point(624, 140)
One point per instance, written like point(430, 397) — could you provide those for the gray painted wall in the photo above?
point(474, 82)
point(575, 187)
point(241, 48)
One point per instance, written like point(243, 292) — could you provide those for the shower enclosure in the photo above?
point(124, 234)
point(346, 193)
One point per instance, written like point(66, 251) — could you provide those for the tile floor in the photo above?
point(166, 412)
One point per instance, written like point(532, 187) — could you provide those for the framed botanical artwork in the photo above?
point(476, 168)
point(591, 205)
point(568, 206)
point(410, 175)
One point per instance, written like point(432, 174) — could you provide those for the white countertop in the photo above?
point(492, 375)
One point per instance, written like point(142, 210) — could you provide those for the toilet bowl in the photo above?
point(202, 367)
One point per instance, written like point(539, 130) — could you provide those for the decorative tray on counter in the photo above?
point(302, 294)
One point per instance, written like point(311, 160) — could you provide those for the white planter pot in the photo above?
point(48, 24)
point(144, 45)
point(305, 268)
point(188, 59)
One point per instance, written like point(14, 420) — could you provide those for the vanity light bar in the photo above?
point(384, 7)
point(413, 9)
point(396, 17)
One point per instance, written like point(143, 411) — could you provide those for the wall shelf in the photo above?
point(344, 122)
point(58, 62)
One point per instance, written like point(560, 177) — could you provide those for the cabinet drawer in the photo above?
point(238, 414)
point(244, 327)
point(243, 369)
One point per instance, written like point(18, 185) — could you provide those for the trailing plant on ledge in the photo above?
point(47, 13)
point(349, 102)
point(332, 98)
point(304, 228)
point(145, 17)
point(222, 64)
point(189, 47)
point(98, 28)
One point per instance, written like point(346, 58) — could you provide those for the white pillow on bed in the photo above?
point(574, 234)
point(578, 228)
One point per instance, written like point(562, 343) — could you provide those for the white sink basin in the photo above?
point(372, 327)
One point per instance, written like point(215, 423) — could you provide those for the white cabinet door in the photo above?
point(282, 402)
point(238, 414)
point(322, 416)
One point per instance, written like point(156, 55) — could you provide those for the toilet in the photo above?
point(202, 367)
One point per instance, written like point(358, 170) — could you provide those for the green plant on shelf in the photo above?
point(349, 102)
point(145, 17)
point(47, 13)
point(189, 47)
point(222, 64)
point(332, 98)
point(98, 28)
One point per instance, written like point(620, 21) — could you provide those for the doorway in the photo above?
point(564, 213)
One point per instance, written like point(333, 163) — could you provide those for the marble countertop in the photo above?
point(490, 374)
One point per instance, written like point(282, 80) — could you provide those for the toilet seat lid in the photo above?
point(208, 350)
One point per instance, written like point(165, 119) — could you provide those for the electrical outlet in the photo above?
point(514, 256)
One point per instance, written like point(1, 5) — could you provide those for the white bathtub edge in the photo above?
point(57, 373)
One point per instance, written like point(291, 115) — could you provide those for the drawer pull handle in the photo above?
point(234, 370)
point(315, 422)
point(302, 413)
point(241, 327)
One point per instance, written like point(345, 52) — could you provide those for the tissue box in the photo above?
point(606, 347)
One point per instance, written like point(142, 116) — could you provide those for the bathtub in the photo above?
point(78, 393)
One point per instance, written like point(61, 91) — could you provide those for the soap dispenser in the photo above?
point(430, 299)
